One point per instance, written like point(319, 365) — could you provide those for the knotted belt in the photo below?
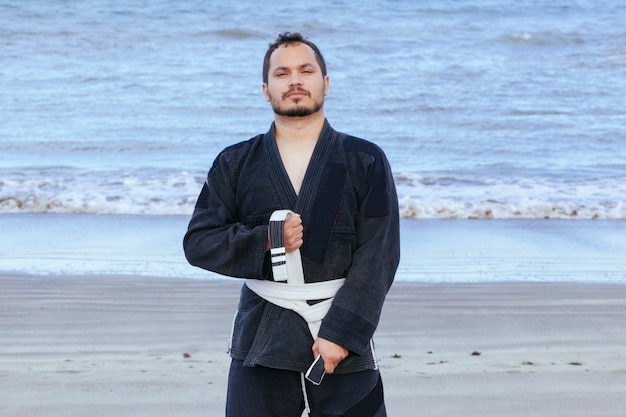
point(288, 290)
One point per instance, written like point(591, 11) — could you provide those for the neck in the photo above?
point(299, 129)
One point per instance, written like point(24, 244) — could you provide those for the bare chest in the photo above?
point(296, 162)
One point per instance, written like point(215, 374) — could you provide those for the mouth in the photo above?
point(296, 92)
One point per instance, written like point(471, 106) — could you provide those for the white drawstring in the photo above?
point(374, 354)
point(306, 398)
point(232, 332)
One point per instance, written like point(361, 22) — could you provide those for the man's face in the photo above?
point(295, 86)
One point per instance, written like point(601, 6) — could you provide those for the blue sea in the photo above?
point(501, 110)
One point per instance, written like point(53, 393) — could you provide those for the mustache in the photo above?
point(296, 89)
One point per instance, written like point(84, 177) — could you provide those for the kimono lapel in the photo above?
point(277, 172)
point(315, 173)
point(324, 187)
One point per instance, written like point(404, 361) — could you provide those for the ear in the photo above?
point(326, 84)
point(265, 93)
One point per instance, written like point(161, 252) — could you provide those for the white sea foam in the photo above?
point(420, 197)
point(507, 198)
point(172, 193)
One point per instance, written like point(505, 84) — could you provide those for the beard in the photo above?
point(297, 110)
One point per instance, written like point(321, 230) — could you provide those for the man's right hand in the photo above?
point(293, 231)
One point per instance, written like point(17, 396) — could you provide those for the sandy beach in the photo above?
point(139, 346)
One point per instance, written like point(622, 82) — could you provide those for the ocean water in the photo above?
point(111, 113)
point(486, 109)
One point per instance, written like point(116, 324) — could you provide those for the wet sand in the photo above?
point(140, 346)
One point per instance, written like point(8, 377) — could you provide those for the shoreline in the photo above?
point(143, 346)
point(431, 250)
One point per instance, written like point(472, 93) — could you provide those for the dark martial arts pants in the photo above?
point(266, 392)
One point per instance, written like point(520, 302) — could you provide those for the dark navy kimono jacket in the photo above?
point(349, 211)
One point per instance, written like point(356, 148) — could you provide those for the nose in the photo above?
point(294, 78)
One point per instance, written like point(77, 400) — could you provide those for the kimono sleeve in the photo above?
point(216, 240)
point(355, 312)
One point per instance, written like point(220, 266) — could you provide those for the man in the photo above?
point(338, 225)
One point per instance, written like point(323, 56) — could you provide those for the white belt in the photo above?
point(294, 293)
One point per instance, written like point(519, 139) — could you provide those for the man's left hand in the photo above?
point(331, 352)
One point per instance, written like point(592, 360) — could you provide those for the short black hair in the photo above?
point(287, 38)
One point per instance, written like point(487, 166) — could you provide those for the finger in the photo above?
point(293, 246)
point(292, 216)
point(329, 367)
point(294, 230)
point(293, 221)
